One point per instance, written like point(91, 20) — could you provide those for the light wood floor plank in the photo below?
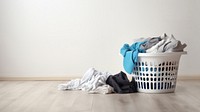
point(104, 103)
point(43, 96)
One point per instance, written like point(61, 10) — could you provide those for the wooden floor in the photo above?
point(43, 96)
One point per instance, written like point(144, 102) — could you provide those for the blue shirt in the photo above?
point(130, 54)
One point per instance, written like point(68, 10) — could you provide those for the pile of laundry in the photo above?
point(95, 82)
point(161, 44)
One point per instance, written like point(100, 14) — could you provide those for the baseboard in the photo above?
point(37, 78)
point(70, 78)
point(194, 77)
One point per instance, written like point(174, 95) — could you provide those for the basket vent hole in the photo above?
point(159, 69)
point(163, 68)
point(158, 85)
point(154, 85)
point(151, 85)
point(142, 63)
point(161, 85)
point(146, 64)
point(138, 84)
point(163, 64)
point(143, 69)
point(144, 85)
point(147, 69)
point(155, 69)
point(151, 69)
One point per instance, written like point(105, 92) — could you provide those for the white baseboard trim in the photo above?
point(191, 77)
point(180, 77)
point(37, 78)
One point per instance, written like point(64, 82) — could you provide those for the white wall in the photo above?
point(66, 37)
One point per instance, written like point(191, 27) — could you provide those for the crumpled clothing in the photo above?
point(104, 89)
point(149, 42)
point(167, 44)
point(91, 80)
point(130, 54)
point(121, 84)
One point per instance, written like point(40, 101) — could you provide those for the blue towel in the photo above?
point(130, 54)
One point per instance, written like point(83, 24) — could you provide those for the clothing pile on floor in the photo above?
point(95, 81)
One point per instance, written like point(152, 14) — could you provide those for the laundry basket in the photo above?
point(157, 72)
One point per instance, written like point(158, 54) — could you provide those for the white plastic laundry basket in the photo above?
point(157, 72)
